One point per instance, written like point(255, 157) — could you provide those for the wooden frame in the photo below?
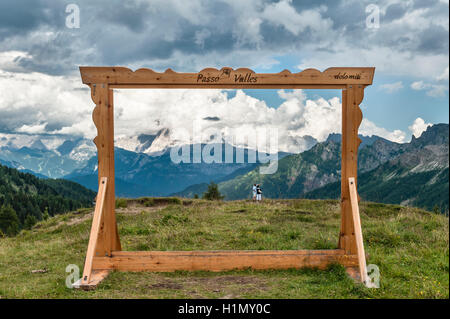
point(104, 251)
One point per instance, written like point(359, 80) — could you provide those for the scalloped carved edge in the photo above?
point(211, 69)
point(123, 75)
point(358, 97)
point(96, 98)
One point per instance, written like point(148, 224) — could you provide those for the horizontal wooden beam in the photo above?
point(167, 261)
point(227, 78)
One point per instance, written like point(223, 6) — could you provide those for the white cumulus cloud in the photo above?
point(369, 128)
point(38, 103)
point(392, 87)
point(443, 76)
point(433, 90)
point(418, 127)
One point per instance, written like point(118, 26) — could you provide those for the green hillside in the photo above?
point(393, 184)
point(410, 246)
point(26, 199)
point(417, 176)
point(296, 174)
point(414, 174)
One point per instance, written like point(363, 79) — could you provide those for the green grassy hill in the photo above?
point(391, 183)
point(410, 246)
point(411, 174)
point(296, 174)
point(26, 199)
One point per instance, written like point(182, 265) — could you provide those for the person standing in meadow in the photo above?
point(258, 193)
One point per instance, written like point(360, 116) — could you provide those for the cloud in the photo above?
point(282, 13)
point(443, 76)
point(418, 127)
point(199, 33)
point(241, 114)
point(37, 103)
point(32, 129)
point(10, 60)
point(418, 85)
point(433, 90)
point(39, 59)
point(59, 106)
point(409, 35)
point(369, 128)
point(392, 87)
point(386, 60)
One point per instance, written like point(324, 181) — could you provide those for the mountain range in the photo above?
point(301, 173)
point(44, 155)
point(138, 174)
point(414, 173)
point(143, 164)
point(144, 167)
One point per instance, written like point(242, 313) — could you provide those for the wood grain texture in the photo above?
point(358, 231)
point(352, 97)
point(168, 261)
point(96, 228)
point(121, 77)
point(96, 277)
point(103, 117)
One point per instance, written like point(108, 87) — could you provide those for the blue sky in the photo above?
point(42, 45)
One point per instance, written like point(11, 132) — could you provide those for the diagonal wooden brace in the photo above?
point(95, 232)
point(358, 232)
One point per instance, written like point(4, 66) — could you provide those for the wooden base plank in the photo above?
point(96, 277)
point(168, 261)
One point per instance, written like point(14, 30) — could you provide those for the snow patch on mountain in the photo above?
point(162, 143)
point(150, 144)
point(83, 151)
point(16, 141)
point(131, 144)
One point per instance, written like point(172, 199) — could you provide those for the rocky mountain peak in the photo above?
point(38, 145)
point(434, 135)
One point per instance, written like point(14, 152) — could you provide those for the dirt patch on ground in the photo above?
point(224, 280)
point(230, 285)
point(291, 215)
point(157, 201)
point(166, 285)
point(296, 212)
point(224, 286)
point(135, 209)
point(78, 220)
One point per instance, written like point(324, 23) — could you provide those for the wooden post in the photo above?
point(351, 119)
point(358, 231)
point(103, 116)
